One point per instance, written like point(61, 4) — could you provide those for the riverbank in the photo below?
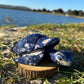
point(60, 14)
point(71, 38)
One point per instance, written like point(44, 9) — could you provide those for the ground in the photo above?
point(71, 38)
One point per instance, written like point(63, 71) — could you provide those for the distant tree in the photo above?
point(69, 12)
point(44, 9)
point(75, 12)
point(60, 10)
point(48, 11)
point(39, 10)
point(81, 13)
point(55, 11)
point(34, 9)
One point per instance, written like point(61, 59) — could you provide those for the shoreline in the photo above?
point(59, 14)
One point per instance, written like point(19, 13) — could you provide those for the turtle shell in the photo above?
point(31, 58)
point(34, 42)
point(27, 44)
point(46, 42)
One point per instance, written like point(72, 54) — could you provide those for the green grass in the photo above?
point(7, 26)
point(71, 38)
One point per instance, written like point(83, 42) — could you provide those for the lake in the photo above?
point(25, 18)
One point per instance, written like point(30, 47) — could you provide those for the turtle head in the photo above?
point(62, 57)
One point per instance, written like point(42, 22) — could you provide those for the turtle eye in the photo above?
point(60, 58)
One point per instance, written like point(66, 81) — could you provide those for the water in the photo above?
point(25, 18)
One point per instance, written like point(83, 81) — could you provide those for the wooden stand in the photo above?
point(40, 71)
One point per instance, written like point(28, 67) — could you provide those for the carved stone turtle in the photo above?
point(31, 50)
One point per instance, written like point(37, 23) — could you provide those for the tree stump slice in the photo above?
point(39, 71)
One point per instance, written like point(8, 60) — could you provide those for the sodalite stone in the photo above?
point(31, 58)
point(62, 57)
point(34, 42)
point(46, 42)
point(31, 50)
point(27, 44)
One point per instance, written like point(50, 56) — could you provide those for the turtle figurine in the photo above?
point(31, 50)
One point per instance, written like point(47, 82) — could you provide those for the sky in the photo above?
point(48, 4)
